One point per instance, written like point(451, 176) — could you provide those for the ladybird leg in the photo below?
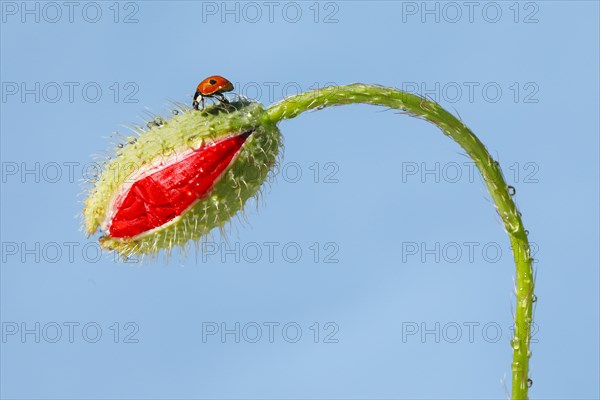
point(221, 98)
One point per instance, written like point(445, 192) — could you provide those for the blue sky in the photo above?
point(376, 267)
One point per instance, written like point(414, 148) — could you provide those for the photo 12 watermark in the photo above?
point(69, 92)
point(271, 91)
point(269, 252)
point(69, 332)
point(459, 332)
point(69, 12)
point(253, 12)
point(527, 172)
point(61, 253)
point(517, 92)
point(470, 12)
point(270, 332)
point(452, 252)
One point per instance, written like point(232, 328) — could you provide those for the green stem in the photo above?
point(489, 168)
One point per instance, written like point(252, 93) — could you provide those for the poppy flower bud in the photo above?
point(182, 177)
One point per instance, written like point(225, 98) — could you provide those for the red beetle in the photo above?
point(213, 86)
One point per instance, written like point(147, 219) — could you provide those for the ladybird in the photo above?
point(213, 86)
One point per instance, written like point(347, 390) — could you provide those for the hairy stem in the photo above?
point(489, 168)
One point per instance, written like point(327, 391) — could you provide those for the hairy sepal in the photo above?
point(190, 129)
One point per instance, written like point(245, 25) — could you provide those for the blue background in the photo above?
point(548, 133)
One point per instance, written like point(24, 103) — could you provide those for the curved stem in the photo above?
point(489, 168)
